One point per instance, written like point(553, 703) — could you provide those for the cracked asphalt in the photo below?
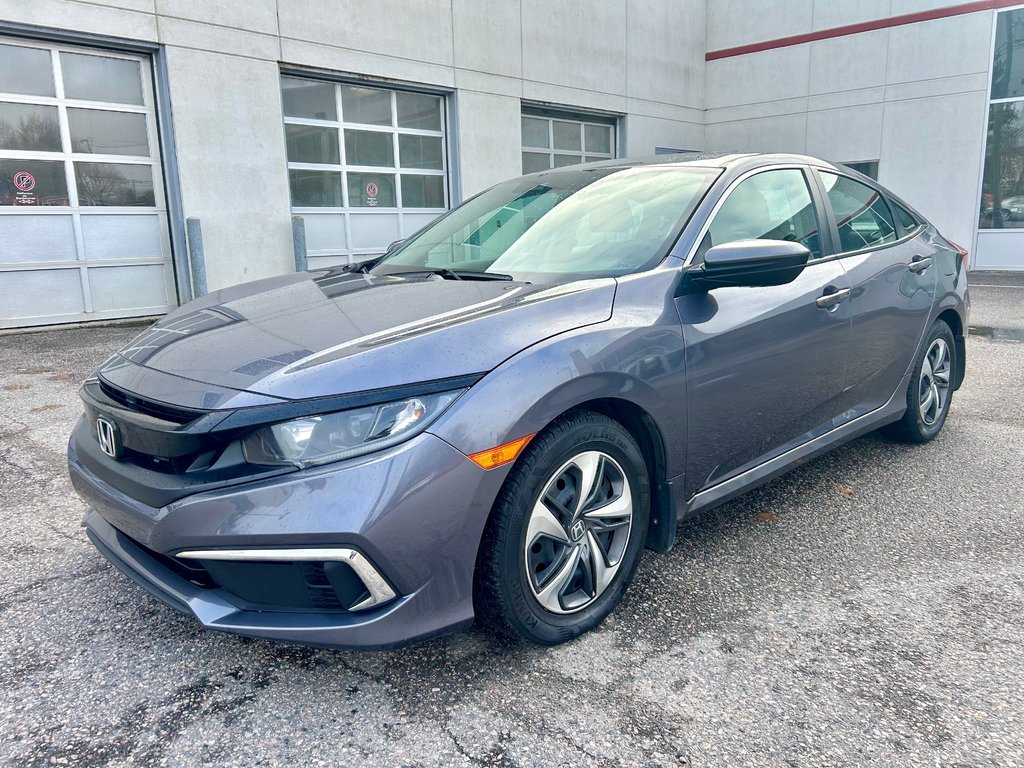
point(865, 609)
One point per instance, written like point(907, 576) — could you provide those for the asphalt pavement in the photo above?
point(865, 609)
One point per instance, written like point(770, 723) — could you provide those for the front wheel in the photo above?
point(566, 531)
point(930, 391)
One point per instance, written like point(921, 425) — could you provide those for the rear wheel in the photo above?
point(566, 531)
point(930, 391)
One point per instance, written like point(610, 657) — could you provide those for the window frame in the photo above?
point(162, 172)
point(903, 235)
point(584, 119)
point(825, 230)
point(992, 102)
point(350, 252)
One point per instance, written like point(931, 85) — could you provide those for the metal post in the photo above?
point(196, 256)
point(299, 243)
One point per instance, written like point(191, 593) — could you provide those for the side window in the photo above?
point(906, 217)
point(863, 218)
point(773, 205)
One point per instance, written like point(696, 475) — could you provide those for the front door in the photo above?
point(765, 366)
point(893, 282)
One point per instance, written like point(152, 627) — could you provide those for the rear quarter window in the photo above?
point(906, 218)
point(862, 215)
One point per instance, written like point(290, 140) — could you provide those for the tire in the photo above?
point(930, 391)
point(579, 558)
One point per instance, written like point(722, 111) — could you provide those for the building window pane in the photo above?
point(29, 127)
point(26, 70)
point(535, 132)
point(1002, 187)
point(365, 105)
point(102, 132)
point(315, 189)
point(33, 182)
point(573, 142)
point(868, 167)
point(312, 144)
point(566, 135)
point(114, 184)
point(371, 190)
point(1008, 59)
point(101, 78)
point(420, 151)
point(422, 191)
point(383, 131)
point(310, 99)
point(369, 148)
point(419, 110)
point(598, 138)
point(862, 216)
point(536, 161)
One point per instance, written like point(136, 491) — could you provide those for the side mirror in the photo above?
point(750, 263)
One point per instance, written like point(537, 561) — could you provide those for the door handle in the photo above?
point(919, 263)
point(830, 300)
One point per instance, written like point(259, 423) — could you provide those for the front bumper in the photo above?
point(416, 512)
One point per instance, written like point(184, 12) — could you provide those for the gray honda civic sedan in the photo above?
point(494, 419)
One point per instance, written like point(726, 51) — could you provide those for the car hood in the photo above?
point(324, 333)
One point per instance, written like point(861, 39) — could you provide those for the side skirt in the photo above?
point(761, 474)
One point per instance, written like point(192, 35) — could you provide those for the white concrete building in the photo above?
point(120, 119)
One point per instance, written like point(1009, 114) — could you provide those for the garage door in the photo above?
point(366, 166)
point(83, 224)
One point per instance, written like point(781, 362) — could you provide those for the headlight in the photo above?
point(314, 440)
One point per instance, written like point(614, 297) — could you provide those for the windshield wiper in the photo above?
point(455, 274)
point(363, 266)
point(469, 274)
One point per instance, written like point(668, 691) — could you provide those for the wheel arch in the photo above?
point(641, 425)
point(956, 324)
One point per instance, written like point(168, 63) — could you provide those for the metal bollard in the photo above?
point(299, 243)
point(196, 257)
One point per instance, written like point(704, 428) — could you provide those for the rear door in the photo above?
point(892, 274)
point(765, 366)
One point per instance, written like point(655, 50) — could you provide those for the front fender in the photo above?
point(641, 365)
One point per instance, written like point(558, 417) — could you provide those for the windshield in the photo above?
point(560, 226)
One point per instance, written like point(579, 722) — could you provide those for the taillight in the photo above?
point(962, 251)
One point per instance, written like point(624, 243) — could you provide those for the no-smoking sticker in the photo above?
point(24, 181)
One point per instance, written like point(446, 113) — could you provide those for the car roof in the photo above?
point(733, 163)
point(728, 160)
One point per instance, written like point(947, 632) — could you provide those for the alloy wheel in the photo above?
point(578, 531)
point(933, 389)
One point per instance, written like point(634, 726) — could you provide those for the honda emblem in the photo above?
point(577, 530)
point(106, 434)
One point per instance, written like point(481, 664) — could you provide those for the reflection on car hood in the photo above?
point(314, 334)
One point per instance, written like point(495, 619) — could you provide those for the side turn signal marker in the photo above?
point(503, 454)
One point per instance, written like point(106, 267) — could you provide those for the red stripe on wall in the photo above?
point(863, 26)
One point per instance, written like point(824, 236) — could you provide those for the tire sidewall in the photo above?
point(925, 432)
point(526, 614)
